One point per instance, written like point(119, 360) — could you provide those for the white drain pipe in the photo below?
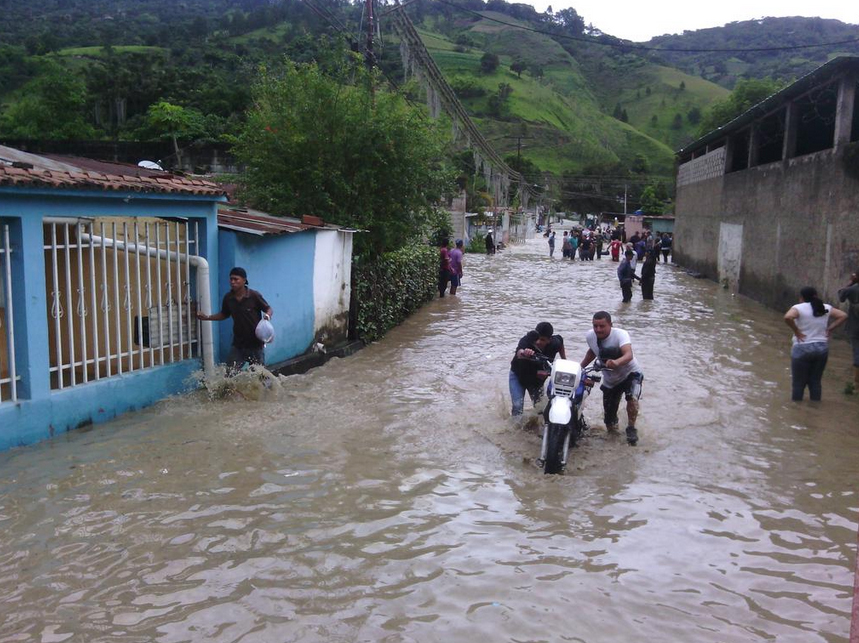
point(198, 262)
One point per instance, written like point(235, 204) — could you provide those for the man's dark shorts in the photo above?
point(630, 387)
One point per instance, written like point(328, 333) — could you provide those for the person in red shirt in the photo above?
point(444, 272)
point(615, 247)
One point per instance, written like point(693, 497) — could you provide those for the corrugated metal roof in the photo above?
point(262, 224)
point(22, 169)
point(819, 76)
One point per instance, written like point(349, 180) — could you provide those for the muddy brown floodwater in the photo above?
point(389, 497)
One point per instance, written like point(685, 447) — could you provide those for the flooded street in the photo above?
point(389, 497)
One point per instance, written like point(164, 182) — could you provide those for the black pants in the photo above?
point(626, 289)
point(647, 288)
point(665, 254)
point(443, 279)
point(807, 362)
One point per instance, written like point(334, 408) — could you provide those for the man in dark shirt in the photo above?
point(246, 307)
point(626, 275)
point(524, 371)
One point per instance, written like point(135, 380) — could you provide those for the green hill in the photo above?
point(565, 107)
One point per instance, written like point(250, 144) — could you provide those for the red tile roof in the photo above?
point(21, 169)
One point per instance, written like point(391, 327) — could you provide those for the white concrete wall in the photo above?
point(332, 285)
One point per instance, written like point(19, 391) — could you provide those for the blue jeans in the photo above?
point(517, 394)
point(807, 362)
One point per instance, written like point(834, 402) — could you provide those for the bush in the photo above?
point(477, 244)
point(392, 286)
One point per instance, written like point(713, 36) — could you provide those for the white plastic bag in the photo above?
point(264, 330)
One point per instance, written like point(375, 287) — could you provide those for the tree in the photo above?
point(747, 93)
point(640, 165)
point(174, 122)
point(654, 120)
point(489, 63)
point(650, 202)
point(334, 148)
point(682, 85)
point(518, 66)
point(618, 111)
point(51, 108)
point(694, 115)
point(624, 117)
point(677, 122)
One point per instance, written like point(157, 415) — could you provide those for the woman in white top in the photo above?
point(811, 322)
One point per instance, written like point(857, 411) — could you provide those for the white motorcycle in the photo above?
point(566, 389)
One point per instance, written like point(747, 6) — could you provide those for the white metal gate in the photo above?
point(8, 371)
point(120, 296)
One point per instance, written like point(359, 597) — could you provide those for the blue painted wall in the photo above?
point(281, 268)
point(40, 412)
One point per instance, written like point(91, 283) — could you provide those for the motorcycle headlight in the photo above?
point(565, 379)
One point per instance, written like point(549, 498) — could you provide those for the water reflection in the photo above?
point(389, 497)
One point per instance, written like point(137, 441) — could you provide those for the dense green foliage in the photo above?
point(391, 286)
point(332, 147)
point(746, 94)
point(51, 107)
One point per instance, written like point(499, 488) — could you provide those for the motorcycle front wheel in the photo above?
point(555, 438)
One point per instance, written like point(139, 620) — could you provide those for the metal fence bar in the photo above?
point(81, 308)
point(126, 298)
point(158, 285)
point(169, 292)
point(10, 318)
point(139, 295)
point(94, 305)
point(105, 301)
point(149, 295)
point(56, 306)
point(179, 289)
point(70, 322)
point(116, 313)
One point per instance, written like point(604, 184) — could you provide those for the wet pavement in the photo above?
point(389, 497)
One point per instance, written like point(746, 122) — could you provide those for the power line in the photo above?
point(621, 45)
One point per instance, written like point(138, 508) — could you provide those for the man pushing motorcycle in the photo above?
point(622, 375)
point(525, 371)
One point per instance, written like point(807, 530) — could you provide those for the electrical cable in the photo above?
point(622, 45)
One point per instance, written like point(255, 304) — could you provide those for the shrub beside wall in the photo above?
point(392, 286)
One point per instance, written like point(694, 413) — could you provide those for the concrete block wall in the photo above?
point(800, 225)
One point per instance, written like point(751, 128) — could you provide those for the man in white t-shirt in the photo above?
point(621, 375)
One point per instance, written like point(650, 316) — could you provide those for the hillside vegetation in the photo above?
point(779, 33)
point(541, 85)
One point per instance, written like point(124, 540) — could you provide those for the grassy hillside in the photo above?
point(563, 127)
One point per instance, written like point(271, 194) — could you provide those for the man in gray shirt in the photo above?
point(850, 293)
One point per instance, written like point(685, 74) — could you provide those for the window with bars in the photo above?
point(9, 377)
point(120, 296)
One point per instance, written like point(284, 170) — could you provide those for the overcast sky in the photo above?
point(642, 20)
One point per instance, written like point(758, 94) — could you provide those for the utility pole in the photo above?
point(518, 149)
point(370, 27)
point(625, 186)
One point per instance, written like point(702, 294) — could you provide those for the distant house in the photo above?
point(769, 202)
point(103, 267)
